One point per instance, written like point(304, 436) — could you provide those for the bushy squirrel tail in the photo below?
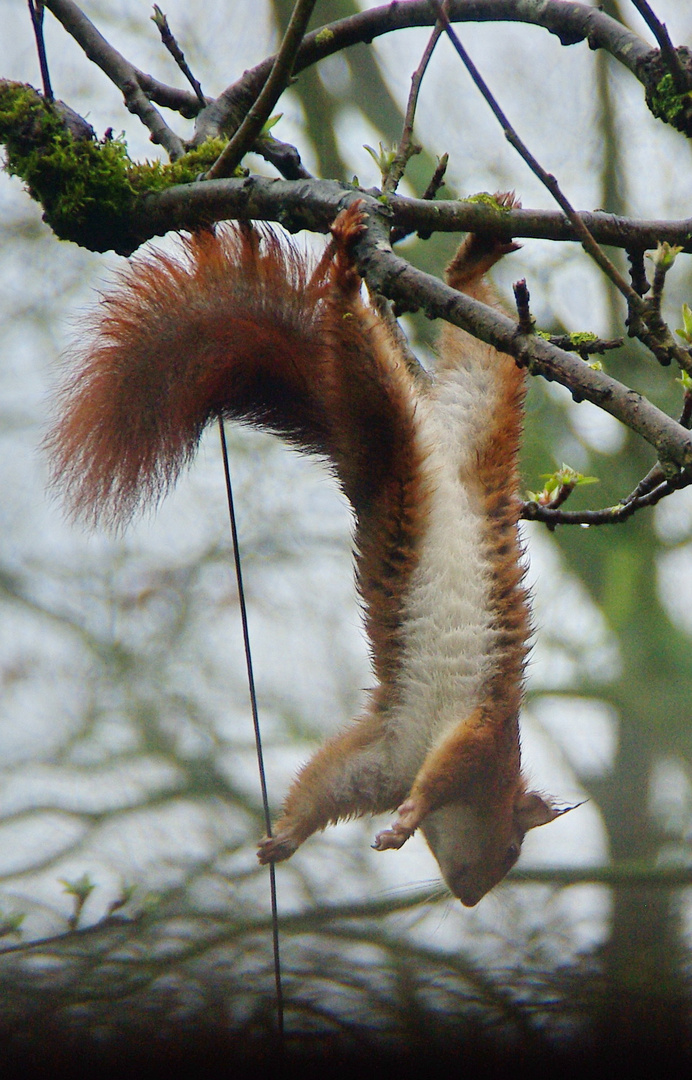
point(220, 326)
point(237, 323)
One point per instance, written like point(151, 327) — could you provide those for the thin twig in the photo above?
point(434, 184)
point(610, 515)
point(653, 478)
point(658, 29)
point(653, 332)
point(663, 261)
point(272, 90)
point(168, 39)
point(546, 178)
point(36, 12)
point(521, 299)
point(119, 70)
point(407, 147)
point(586, 348)
point(437, 179)
point(640, 282)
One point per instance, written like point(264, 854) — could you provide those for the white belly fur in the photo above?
point(448, 635)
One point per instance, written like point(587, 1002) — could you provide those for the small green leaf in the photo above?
point(81, 888)
point(126, 895)
point(384, 159)
point(10, 924)
point(559, 484)
point(271, 122)
point(685, 331)
point(158, 17)
point(665, 255)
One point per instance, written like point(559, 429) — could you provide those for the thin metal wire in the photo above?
point(256, 725)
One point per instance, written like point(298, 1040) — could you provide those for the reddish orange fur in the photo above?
point(181, 338)
point(238, 324)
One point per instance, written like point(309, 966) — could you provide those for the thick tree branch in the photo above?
point(396, 279)
point(451, 215)
point(570, 22)
point(312, 205)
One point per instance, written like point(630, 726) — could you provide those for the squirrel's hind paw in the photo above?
point(273, 849)
point(348, 225)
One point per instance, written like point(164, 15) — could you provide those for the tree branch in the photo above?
point(407, 148)
point(313, 205)
point(609, 515)
point(570, 22)
point(394, 278)
point(258, 113)
point(668, 52)
point(36, 13)
point(309, 206)
point(119, 70)
point(644, 321)
point(169, 41)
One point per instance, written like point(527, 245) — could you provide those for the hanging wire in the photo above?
point(258, 735)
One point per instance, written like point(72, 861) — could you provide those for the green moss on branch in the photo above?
point(89, 188)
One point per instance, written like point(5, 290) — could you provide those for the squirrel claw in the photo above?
point(273, 849)
point(398, 834)
point(395, 837)
point(349, 224)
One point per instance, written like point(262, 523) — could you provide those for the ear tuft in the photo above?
point(531, 809)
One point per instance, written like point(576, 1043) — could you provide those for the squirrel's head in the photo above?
point(476, 846)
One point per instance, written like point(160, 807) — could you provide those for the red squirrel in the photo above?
point(239, 325)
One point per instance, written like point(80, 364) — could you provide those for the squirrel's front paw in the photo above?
point(273, 849)
point(395, 837)
point(398, 834)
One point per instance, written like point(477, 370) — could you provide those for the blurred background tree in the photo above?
point(130, 899)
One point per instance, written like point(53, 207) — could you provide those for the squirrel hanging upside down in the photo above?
point(238, 325)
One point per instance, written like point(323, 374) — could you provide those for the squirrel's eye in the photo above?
point(512, 853)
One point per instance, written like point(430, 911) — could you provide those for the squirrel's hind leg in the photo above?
point(346, 778)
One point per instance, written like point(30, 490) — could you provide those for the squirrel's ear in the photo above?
point(531, 809)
